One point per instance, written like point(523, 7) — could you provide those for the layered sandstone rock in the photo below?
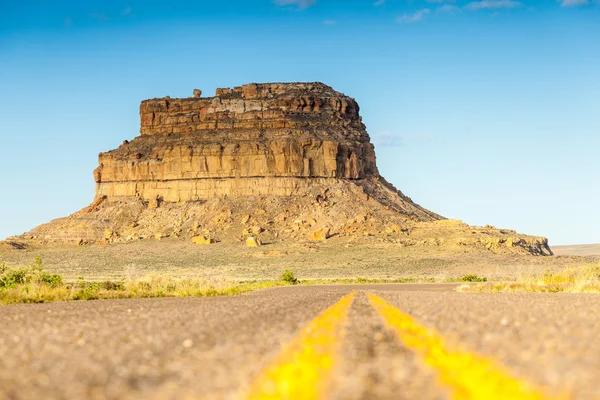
point(257, 139)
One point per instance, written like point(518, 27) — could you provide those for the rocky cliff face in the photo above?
point(257, 139)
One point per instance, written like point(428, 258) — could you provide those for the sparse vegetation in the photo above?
point(472, 278)
point(288, 276)
point(32, 284)
point(361, 280)
point(32, 274)
point(323, 260)
point(584, 279)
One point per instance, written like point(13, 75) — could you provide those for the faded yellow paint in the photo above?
point(467, 375)
point(302, 369)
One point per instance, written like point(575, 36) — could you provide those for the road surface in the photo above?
point(331, 341)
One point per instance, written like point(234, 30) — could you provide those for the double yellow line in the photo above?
point(304, 368)
point(467, 375)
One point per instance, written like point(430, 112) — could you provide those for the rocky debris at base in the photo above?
point(286, 219)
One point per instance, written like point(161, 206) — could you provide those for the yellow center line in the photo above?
point(468, 375)
point(302, 369)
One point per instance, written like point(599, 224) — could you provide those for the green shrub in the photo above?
point(33, 273)
point(37, 264)
point(51, 279)
point(13, 277)
point(288, 276)
point(90, 292)
point(109, 285)
point(473, 278)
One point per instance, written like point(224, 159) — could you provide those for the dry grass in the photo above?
point(360, 280)
point(31, 284)
point(155, 286)
point(583, 279)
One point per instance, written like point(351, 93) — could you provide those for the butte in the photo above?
point(279, 161)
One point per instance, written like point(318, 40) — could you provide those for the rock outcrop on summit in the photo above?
point(280, 160)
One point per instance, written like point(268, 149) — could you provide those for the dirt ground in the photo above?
point(583, 250)
point(337, 258)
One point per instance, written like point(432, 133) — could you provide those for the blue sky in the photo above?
point(485, 111)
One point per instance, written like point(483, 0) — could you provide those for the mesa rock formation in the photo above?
point(271, 139)
point(283, 161)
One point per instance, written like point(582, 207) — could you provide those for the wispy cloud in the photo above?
point(68, 21)
point(391, 139)
point(126, 11)
point(379, 3)
point(447, 8)
point(98, 16)
point(493, 4)
point(299, 3)
point(574, 3)
point(441, 1)
point(330, 22)
point(412, 18)
point(388, 139)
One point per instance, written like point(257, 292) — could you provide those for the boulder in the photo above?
point(393, 229)
point(319, 235)
point(203, 239)
point(252, 241)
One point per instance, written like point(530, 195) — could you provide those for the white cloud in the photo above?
point(379, 3)
point(412, 18)
point(447, 8)
point(441, 1)
point(330, 22)
point(493, 4)
point(98, 16)
point(126, 11)
point(574, 3)
point(299, 3)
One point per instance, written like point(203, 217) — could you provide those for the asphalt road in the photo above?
point(220, 348)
